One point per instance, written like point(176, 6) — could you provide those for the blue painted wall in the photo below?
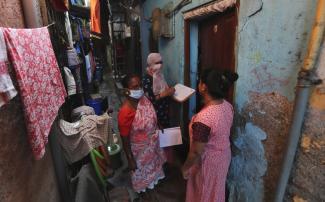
point(171, 49)
point(271, 43)
point(271, 46)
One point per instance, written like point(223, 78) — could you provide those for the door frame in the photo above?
point(192, 25)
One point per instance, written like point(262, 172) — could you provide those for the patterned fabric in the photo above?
point(161, 105)
point(201, 132)
point(79, 138)
point(7, 89)
point(40, 83)
point(145, 147)
point(207, 178)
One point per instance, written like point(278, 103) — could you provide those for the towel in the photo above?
point(79, 138)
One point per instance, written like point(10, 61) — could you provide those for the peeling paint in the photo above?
point(262, 124)
point(298, 199)
point(248, 166)
point(305, 143)
point(308, 174)
point(271, 44)
point(275, 123)
point(263, 78)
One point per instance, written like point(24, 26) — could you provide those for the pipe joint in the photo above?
point(308, 78)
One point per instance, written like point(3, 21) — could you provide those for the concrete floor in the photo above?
point(170, 189)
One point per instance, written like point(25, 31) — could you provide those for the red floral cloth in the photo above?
point(144, 145)
point(40, 83)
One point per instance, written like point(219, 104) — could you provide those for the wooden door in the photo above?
point(217, 37)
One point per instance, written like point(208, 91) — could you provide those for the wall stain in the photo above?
point(308, 173)
point(263, 78)
point(272, 113)
point(256, 57)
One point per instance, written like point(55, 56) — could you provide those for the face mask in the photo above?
point(136, 94)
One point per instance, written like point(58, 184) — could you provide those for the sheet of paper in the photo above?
point(182, 93)
point(170, 137)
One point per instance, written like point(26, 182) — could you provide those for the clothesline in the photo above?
point(49, 25)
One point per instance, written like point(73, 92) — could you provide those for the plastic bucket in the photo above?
point(96, 105)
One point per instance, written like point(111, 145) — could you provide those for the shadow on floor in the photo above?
point(170, 189)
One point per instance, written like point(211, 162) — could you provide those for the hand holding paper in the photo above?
point(182, 93)
point(170, 137)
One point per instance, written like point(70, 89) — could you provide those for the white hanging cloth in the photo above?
point(7, 89)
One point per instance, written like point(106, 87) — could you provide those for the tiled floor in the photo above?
point(170, 189)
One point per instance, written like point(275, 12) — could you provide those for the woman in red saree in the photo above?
point(137, 122)
point(208, 161)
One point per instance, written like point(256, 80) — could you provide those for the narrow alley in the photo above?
point(162, 101)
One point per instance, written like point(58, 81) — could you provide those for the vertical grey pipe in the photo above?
point(302, 96)
point(305, 82)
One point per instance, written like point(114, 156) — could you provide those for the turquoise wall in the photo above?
point(171, 49)
point(271, 42)
point(271, 46)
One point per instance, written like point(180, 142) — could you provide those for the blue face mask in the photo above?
point(136, 94)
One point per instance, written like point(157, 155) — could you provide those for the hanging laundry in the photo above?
point(73, 58)
point(99, 16)
point(39, 80)
point(68, 28)
point(78, 3)
point(71, 83)
point(104, 18)
point(88, 68)
point(7, 89)
point(95, 28)
point(75, 65)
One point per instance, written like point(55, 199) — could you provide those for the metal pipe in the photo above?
point(315, 37)
point(304, 84)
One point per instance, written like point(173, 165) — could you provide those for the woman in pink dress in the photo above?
point(137, 122)
point(209, 157)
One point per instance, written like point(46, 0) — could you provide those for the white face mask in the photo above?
point(136, 94)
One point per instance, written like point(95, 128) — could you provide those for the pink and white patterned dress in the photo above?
point(145, 147)
point(207, 179)
point(39, 80)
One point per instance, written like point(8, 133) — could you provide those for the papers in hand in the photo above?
point(170, 137)
point(182, 93)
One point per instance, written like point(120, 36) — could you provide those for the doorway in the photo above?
point(210, 42)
